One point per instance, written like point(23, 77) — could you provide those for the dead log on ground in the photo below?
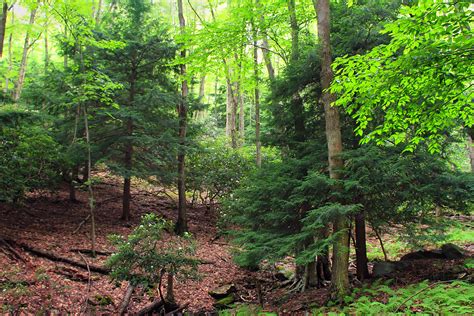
point(53, 257)
point(126, 299)
point(150, 308)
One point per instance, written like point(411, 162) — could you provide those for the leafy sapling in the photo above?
point(143, 258)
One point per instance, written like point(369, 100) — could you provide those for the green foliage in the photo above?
point(29, 157)
point(144, 256)
point(215, 169)
point(420, 83)
point(454, 298)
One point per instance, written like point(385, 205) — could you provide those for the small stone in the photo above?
point(222, 291)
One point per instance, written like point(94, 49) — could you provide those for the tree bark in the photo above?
point(258, 144)
point(10, 58)
point(90, 189)
point(24, 59)
point(340, 275)
point(470, 146)
point(126, 299)
point(3, 26)
point(182, 222)
point(361, 247)
point(128, 160)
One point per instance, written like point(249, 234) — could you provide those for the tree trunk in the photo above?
point(128, 161)
point(266, 50)
point(470, 146)
point(170, 289)
point(90, 189)
point(46, 48)
point(97, 13)
point(241, 116)
point(258, 144)
point(228, 110)
point(3, 26)
point(127, 181)
point(10, 58)
point(340, 275)
point(182, 223)
point(361, 247)
point(297, 107)
point(24, 59)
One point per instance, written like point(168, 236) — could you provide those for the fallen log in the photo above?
point(177, 310)
point(53, 257)
point(88, 251)
point(150, 308)
point(12, 250)
point(126, 299)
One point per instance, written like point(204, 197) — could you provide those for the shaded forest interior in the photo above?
point(250, 157)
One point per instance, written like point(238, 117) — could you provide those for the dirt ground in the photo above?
point(52, 223)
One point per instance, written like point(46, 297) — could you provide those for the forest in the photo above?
point(236, 157)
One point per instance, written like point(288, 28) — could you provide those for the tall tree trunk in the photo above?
point(361, 247)
point(3, 26)
point(182, 223)
point(97, 13)
point(128, 160)
point(65, 55)
point(470, 146)
point(241, 115)
point(228, 109)
point(266, 49)
point(24, 59)
point(258, 144)
point(46, 48)
point(10, 58)
point(90, 189)
point(340, 275)
point(297, 107)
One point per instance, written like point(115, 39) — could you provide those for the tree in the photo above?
point(182, 223)
point(419, 84)
point(340, 265)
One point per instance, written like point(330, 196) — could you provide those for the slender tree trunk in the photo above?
point(228, 110)
point(241, 116)
point(97, 13)
point(3, 26)
point(361, 247)
point(24, 59)
point(170, 289)
point(90, 189)
point(340, 275)
point(65, 55)
point(202, 86)
point(128, 160)
point(470, 146)
point(46, 49)
point(10, 58)
point(182, 223)
point(258, 144)
point(266, 49)
point(294, 30)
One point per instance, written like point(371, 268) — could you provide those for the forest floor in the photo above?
point(51, 223)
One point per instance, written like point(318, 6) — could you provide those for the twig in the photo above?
point(422, 290)
point(381, 243)
point(81, 223)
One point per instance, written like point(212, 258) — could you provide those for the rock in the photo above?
point(383, 268)
point(225, 301)
point(222, 291)
point(423, 254)
point(451, 251)
point(284, 273)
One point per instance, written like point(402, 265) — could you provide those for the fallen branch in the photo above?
point(53, 257)
point(126, 299)
point(88, 251)
point(179, 309)
point(81, 223)
point(15, 253)
point(150, 307)
point(71, 274)
point(422, 290)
